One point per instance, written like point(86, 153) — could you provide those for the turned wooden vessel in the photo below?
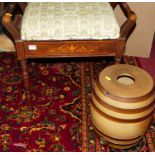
point(122, 104)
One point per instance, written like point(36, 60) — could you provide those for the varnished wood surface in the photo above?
point(74, 48)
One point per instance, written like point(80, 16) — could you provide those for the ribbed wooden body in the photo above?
point(122, 104)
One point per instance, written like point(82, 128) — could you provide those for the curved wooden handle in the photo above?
point(8, 22)
point(128, 26)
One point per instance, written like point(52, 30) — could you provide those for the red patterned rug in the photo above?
point(60, 120)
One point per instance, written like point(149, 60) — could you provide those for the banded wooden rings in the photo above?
point(122, 104)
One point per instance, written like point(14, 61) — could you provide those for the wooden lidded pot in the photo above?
point(122, 104)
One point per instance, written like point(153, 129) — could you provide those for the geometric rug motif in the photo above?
point(60, 119)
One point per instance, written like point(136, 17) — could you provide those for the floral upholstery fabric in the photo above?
point(68, 20)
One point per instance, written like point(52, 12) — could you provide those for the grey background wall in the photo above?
point(140, 41)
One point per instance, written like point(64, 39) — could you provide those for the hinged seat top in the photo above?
point(65, 21)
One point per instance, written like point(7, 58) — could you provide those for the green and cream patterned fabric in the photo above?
point(68, 20)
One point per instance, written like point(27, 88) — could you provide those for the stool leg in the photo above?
point(118, 60)
point(25, 74)
point(120, 50)
point(33, 70)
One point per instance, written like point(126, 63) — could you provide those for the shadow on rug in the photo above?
point(60, 120)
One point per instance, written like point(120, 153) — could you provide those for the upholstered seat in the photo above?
point(65, 21)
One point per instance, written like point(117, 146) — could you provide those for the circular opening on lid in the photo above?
point(125, 79)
